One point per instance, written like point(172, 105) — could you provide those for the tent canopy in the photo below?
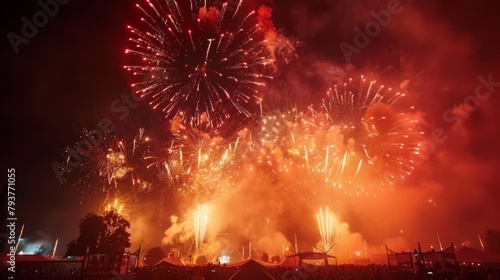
point(170, 261)
point(297, 259)
point(470, 255)
point(243, 262)
point(251, 270)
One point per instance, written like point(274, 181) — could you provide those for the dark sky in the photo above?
point(69, 73)
point(63, 79)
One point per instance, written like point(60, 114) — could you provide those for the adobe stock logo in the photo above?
point(455, 116)
point(372, 29)
point(49, 9)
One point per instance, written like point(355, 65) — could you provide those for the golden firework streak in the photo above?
point(200, 224)
point(325, 224)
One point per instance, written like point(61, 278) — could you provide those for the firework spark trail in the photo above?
point(200, 225)
point(377, 140)
point(346, 103)
point(114, 207)
point(325, 224)
point(194, 58)
point(108, 160)
point(196, 161)
point(297, 149)
point(115, 166)
point(356, 143)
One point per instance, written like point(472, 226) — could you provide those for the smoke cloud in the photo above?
point(423, 53)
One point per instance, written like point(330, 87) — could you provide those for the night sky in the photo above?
point(68, 74)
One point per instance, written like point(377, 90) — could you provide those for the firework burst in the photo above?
point(356, 143)
point(196, 160)
point(108, 161)
point(373, 139)
point(278, 144)
point(195, 58)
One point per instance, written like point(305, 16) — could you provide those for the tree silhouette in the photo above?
point(154, 255)
point(265, 257)
point(276, 259)
point(106, 233)
point(201, 260)
point(492, 240)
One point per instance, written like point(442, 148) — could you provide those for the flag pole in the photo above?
point(388, 259)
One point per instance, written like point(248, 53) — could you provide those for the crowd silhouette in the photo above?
point(335, 272)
